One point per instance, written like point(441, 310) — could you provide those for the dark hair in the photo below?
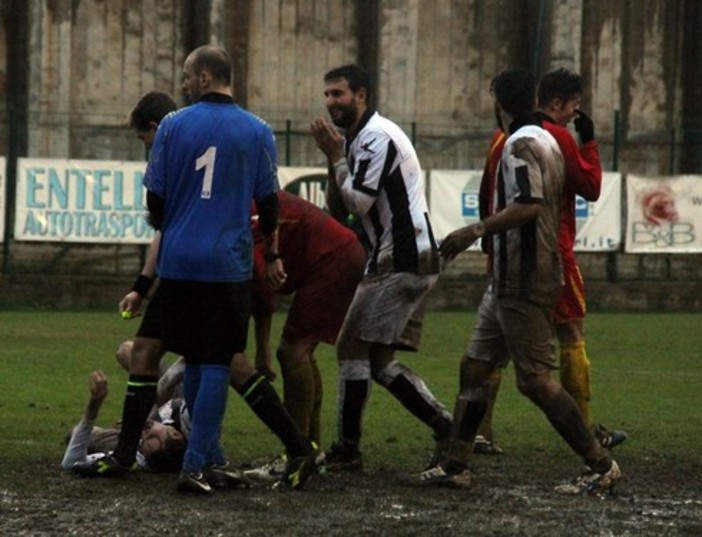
point(515, 90)
point(168, 459)
point(356, 76)
point(559, 84)
point(214, 60)
point(152, 107)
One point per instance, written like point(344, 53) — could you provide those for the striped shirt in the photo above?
point(527, 261)
point(385, 190)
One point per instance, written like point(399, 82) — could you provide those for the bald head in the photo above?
point(207, 69)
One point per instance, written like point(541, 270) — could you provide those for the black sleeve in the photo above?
point(155, 206)
point(268, 213)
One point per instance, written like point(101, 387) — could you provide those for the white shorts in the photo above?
point(389, 309)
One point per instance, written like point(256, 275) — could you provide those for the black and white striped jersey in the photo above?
point(385, 190)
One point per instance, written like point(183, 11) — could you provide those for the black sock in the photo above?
point(353, 400)
point(138, 402)
point(260, 395)
point(410, 390)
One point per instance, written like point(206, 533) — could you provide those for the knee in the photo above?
point(145, 356)
point(124, 354)
point(474, 373)
point(535, 387)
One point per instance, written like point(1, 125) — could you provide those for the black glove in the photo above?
point(585, 127)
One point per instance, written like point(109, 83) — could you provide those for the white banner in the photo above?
point(3, 205)
point(81, 201)
point(308, 183)
point(664, 214)
point(453, 200)
point(454, 203)
point(599, 224)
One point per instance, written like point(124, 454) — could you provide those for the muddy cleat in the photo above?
point(609, 439)
point(440, 453)
point(299, 470)
point(270, 472)
point(482, 446)
point(343, 457)
point(100, 465)
point(193, 482)
point(437, 476)
point(592, 483)
point(225, 476)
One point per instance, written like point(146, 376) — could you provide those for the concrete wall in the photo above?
point(70, 71)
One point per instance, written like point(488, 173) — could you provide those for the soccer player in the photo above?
point(202, 303)
point(375, 175)
point(162, 442)
point(559, 95)
point(515, 315)
point(324, 262)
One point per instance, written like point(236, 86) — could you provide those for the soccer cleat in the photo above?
point(343, 457)
point(299, 470)
point(270, 472)
point(102, 465)
point(439, 477)
point(440, 453)
point(609, 439)
point(193, 482)
point(224, 476)
point(482, 446)
point(592, 483)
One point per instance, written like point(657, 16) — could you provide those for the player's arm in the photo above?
point(77, 448)
point(268, 209)
point(514, 215)
point(130, 304)
point(335, 203)
point(583, 166)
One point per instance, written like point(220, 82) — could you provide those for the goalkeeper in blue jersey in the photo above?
point(208, 162)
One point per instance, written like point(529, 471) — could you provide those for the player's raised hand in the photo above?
point(328, 138)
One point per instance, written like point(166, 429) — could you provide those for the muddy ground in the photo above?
point(657, 497)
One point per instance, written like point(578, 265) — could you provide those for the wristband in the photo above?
point(479, 229)
point(271, 256)
point(142, 285)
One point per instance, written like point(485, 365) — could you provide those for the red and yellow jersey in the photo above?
point(308, 241)
point(583, 178)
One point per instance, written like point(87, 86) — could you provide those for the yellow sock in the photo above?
point(575, 376)
point(485, 429)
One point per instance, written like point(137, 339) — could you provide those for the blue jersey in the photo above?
point(208, 162)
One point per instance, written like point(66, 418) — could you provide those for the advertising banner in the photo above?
point(664, 214)
point(308, 183)
point(599, 223)
point(454, 203)
point(81, 201)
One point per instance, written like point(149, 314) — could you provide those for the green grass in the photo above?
point(646, 378)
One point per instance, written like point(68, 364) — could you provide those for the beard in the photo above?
point(343, 116)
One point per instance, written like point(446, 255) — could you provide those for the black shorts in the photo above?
point(205, 322)
point(151, 325)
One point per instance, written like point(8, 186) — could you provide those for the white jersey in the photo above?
point(385, 190)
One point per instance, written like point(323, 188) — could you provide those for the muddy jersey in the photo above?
point(527, 262)
point(385, 190)
point(174, 412)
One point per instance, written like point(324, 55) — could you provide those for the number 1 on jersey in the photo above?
point(207, 160)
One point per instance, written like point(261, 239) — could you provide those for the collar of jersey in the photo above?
point(217, 98)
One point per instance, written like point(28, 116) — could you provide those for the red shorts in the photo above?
point(571, 304)
point(320, 304)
